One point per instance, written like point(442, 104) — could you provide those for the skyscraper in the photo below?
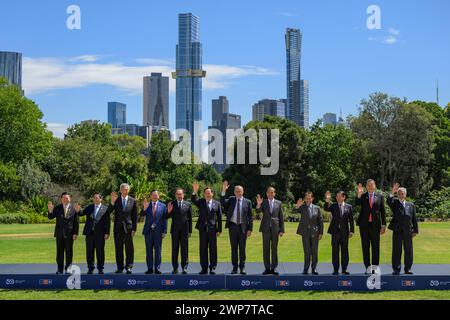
point(268, 107)
point(156, 101)
point(189, 74)
point(117, 114)
point(297, 106)
point(11, 67)
point(329, 119)
point(219, 107)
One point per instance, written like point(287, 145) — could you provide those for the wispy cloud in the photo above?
point(288, 14)
point(390, 39)
point(49, 74)
point(58, 129)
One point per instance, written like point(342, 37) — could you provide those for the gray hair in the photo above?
point(124, 186)
point(403, 190)
point(238, 187)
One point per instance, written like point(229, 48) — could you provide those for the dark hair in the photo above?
point(179, 189)
point(154, 190)
point(208, 188)
point(65, 194)
point(98, 194)
point(309, 193)
point(342, 193)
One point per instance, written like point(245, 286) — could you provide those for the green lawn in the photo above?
point(35, 244)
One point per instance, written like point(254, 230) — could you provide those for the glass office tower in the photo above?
point(293, 60)
point(189, 74)
point(117, 114)
point(11, 67)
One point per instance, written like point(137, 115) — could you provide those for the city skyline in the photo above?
point(77, 72)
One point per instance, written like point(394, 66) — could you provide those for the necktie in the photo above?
point(341, 207)
point(154, 210)
point(124, 203)
point(179, 204)
point(238, 211)
point(371, 195)
point(95, 212)
point(310, 212)
point(271, 206)
point(66, 210)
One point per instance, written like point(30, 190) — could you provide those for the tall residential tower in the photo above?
point(156, 102)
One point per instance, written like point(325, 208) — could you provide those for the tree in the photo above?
point(91, 131)
point(23, 135)
point(34, 181)
point(9, 180)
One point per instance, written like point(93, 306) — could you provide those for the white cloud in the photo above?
point(288, 14)
point(394, 32)
point(49, 74)
point(58, 129)
point(390, 40)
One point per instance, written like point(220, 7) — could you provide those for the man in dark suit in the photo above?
point(272, 228)
point(209, 224)
point(181, 229)
point(66, 230)
point(311, 230)
point(239, 223)
point(371, 221)
point(125, 225)
point(96, 230)
point(404, 226)
point(341, 229)
point(155, 230)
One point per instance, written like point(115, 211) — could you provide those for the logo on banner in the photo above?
point(106, 282)
point(282, 283)
point(408, 283)
point(168, 282)
point(345, 283)
point(45, 282)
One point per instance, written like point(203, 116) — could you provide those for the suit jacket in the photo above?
point(310, 225)
point(124, 218)
point(274, 220)
point(65, 227)
point(181, 217)
point(378, 210)
point(340, 223)
point(404, 218)
point(98, 226)
point(159, 221)
point(208, 220)
point(246, 213)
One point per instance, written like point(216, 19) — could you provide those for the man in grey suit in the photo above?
point(311, 230)
point(272, 227)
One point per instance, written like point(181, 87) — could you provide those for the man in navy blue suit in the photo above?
point(155, 229)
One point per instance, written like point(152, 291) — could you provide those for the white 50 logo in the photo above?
point(434, 283)
point(132, 282)
point(193, 283)
point(308, 283)
point(245, 283)
point(10, 282)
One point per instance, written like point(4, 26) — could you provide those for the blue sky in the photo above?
point(72, 74)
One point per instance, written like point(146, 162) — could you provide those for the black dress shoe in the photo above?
point(396, 273)
point(243, 272)
point(275, 272)
point(175, 271)
point(100, 272)
point(335, 273)
point(266, 272)
point(91, 271)
point(234, 271)
point(409, 272)
point(129, 271)
point(315, 273)
point(305, 272)
point(203, 272)
point(158, 272)
point(119, 271)
point(184, 271)
point(59, 273)
point(212, 272)
point(345, 273)
point(149, 271)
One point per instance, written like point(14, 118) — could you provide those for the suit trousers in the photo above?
point(311, 251)
point(238, 241)
point(121, 240)
point(180, 244)
point(64, 246)
point(401, 239)
point(339, 244)
point(270, 249)
point(370, 238)
point(208, 242)
point(95, 245)
point(153, 247)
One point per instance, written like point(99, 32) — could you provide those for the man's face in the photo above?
point(340, 198)
point(179, 195)
point(155, 196)
point(124, 191)
point(371, 186)
point(97, 199)
point(239, 192)
point(270, 194)
point(208, 194)
point(401, 195)
point(65, 200)
point(308, 199)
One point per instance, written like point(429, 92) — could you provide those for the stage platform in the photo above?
point(42, 276)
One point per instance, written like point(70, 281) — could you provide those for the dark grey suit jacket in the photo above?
point(310, 226)
point(274, 220)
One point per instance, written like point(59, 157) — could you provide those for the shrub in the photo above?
point(14, 218)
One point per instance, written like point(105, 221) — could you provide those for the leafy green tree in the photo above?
point(10, 181)
point(23, 135)
point(91, 131)
point(34, 181)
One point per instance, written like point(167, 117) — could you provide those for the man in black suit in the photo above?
point(66, 230)
point(404, 226)
point(96, 230)
point(310, 228)
point(371, 221)
point(209, 224)
point(125, 225)
point(239, 223)
point(272, 228)
point(341, 229)
point(181, 229)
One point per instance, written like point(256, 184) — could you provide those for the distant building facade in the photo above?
point(268, 107)
point(156, 101)
point(11, 67)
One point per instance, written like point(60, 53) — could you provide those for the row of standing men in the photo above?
point(239, 221)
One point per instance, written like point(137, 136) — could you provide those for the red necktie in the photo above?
point(154, 210)
point(371, 205)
